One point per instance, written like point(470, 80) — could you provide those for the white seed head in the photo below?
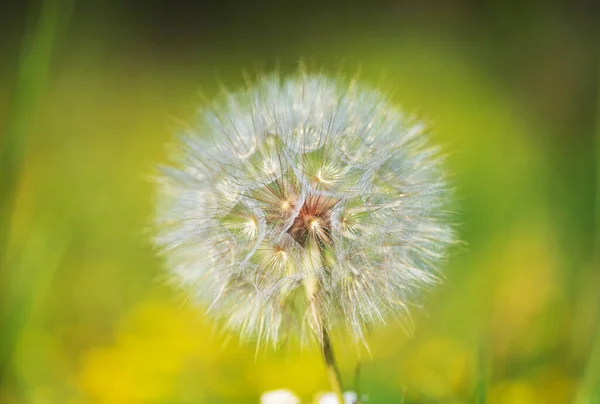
point(304, 185)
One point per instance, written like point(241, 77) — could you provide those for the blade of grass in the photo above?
point(30, 81)
point(32, 75)
point(589, 392)
point(481, 388)
point(39, 261)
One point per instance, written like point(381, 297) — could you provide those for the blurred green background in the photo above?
point(511, 89)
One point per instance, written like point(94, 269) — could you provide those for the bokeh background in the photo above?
point(511, 89)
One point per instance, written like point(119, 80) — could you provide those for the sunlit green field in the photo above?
point(87, 317)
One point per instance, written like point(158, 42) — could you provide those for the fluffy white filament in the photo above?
point(303, 167)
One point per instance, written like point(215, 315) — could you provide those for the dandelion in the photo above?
point(303, 205)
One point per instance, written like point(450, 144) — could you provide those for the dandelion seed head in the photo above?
point(303, 184)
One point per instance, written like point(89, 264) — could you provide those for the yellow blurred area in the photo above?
point(440, 368)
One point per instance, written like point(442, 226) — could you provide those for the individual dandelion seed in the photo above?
point(302, 205)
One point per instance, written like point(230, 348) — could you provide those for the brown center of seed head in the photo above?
point(313, 221)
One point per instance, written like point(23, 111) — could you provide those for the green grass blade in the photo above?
point(481, 388)
point(589, 393)
point(30, 81)
point(40, 259)
point(32, 75)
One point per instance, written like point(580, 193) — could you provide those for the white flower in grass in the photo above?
point(299, 196)
point(350, 397)
point(279, 397)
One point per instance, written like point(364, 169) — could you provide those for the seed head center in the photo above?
point(313, 221)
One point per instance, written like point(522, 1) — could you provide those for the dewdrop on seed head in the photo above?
point(304, 193)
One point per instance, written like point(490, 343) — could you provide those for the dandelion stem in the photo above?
point(313, 260)
point(333, 372)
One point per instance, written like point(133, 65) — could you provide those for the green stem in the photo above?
point(333, 372)
point(313, 261)
point(335, 379)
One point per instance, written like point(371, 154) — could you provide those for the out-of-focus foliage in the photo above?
point(516, 315)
